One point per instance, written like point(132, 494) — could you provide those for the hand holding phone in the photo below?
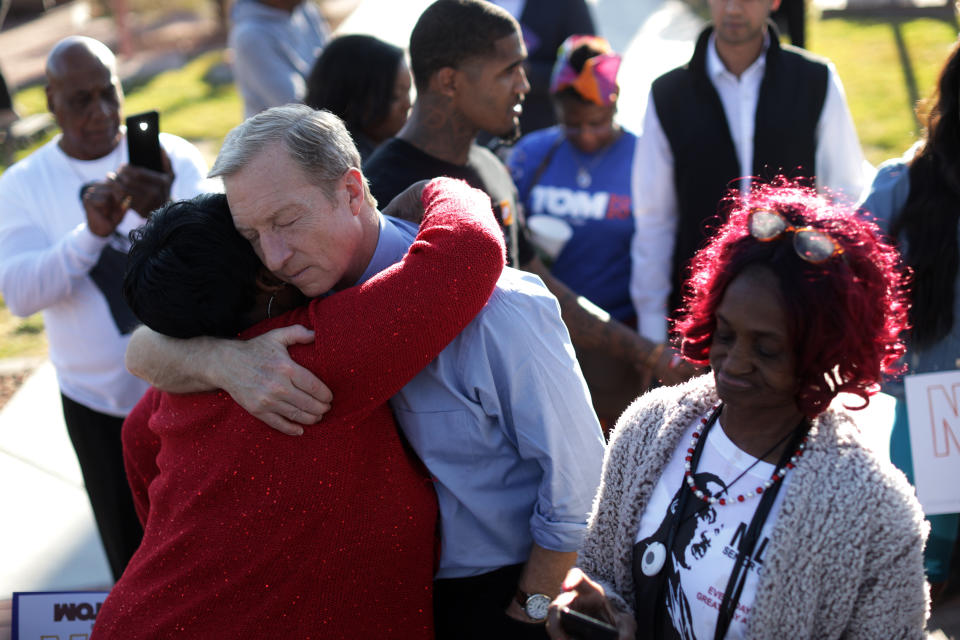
point(147, 177)
point(583, 611)
point(143, 140)
point(580, 626)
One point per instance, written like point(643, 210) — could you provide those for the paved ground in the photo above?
point(49, 541)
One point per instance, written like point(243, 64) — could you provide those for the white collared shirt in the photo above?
point(739, 97)
point(841, 169)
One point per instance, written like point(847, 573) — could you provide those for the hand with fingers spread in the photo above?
point(582, 594)
point(261, 377)
point(148, 190)
point(105, 205)
point(257, 373)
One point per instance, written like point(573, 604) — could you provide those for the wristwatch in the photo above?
point(534, 604)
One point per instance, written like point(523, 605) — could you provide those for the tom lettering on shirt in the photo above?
point(578, 204)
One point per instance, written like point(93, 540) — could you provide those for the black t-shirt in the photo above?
point(397, 164)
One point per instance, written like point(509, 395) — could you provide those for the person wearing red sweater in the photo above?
point(251, 533)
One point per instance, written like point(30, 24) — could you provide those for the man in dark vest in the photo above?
point(744, 108)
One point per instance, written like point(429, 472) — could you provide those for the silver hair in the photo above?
point(317, 141)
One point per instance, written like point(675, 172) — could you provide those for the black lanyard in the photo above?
point(678, 519)
point(747, 544)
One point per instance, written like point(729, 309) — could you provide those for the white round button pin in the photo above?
point(654, 557)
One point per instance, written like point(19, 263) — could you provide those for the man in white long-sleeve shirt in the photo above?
point(65, 213)
point(744, 106)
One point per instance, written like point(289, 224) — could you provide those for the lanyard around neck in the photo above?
point(747, 545)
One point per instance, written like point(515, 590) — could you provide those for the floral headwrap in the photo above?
point(597, 82)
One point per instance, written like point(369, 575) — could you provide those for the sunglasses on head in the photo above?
point(811, 244)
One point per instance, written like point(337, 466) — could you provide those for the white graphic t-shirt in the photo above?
point(705, 544)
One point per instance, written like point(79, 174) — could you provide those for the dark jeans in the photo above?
point(96, 441)
point(6, 102)
point(473, 608)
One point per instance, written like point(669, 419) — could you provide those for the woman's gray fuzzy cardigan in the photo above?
point(845, 556)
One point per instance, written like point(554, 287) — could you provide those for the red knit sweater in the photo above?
point(253, 534)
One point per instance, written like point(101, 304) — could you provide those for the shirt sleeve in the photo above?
point(575, 19)
point(140, 448)
point(262, 70)
point(841, 166)
point(655, 208)
point(542, 398)
point(579, 20)
point(35, 272)
point(888, 193)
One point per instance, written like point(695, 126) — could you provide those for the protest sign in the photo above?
point(55, 615)
point(933, 405)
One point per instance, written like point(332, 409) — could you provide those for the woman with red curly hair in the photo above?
point(742, 503)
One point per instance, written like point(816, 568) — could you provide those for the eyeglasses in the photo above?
point(811, 244)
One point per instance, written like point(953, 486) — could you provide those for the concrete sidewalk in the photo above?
point(49, 541)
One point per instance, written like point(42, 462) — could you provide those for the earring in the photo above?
point(276, 290)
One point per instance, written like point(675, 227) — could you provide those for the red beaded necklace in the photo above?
point(696, 442)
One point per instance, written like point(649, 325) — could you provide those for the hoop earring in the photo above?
point(270, 306)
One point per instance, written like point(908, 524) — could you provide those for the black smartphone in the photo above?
point(143, 140)
point(583, 627)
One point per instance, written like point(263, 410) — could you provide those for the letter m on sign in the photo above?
point(945, 419)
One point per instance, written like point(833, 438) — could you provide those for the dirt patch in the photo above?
point(9, 383)
point(13, 373)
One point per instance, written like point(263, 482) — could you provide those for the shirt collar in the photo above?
point(392, 244)
point(715, 67)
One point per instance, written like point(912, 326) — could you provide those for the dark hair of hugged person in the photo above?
point(845, 314)
point(195, 237)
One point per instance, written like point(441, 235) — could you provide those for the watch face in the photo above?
point(537, 605)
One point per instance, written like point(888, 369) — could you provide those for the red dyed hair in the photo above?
point(844, 316)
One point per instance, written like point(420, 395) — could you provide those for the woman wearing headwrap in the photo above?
point(579, 173)
point(574, 182)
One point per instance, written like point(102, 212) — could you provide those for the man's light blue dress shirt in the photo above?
point(502, 418)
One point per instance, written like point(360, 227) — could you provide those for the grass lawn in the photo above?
point(885, 65)
point(21, 337)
